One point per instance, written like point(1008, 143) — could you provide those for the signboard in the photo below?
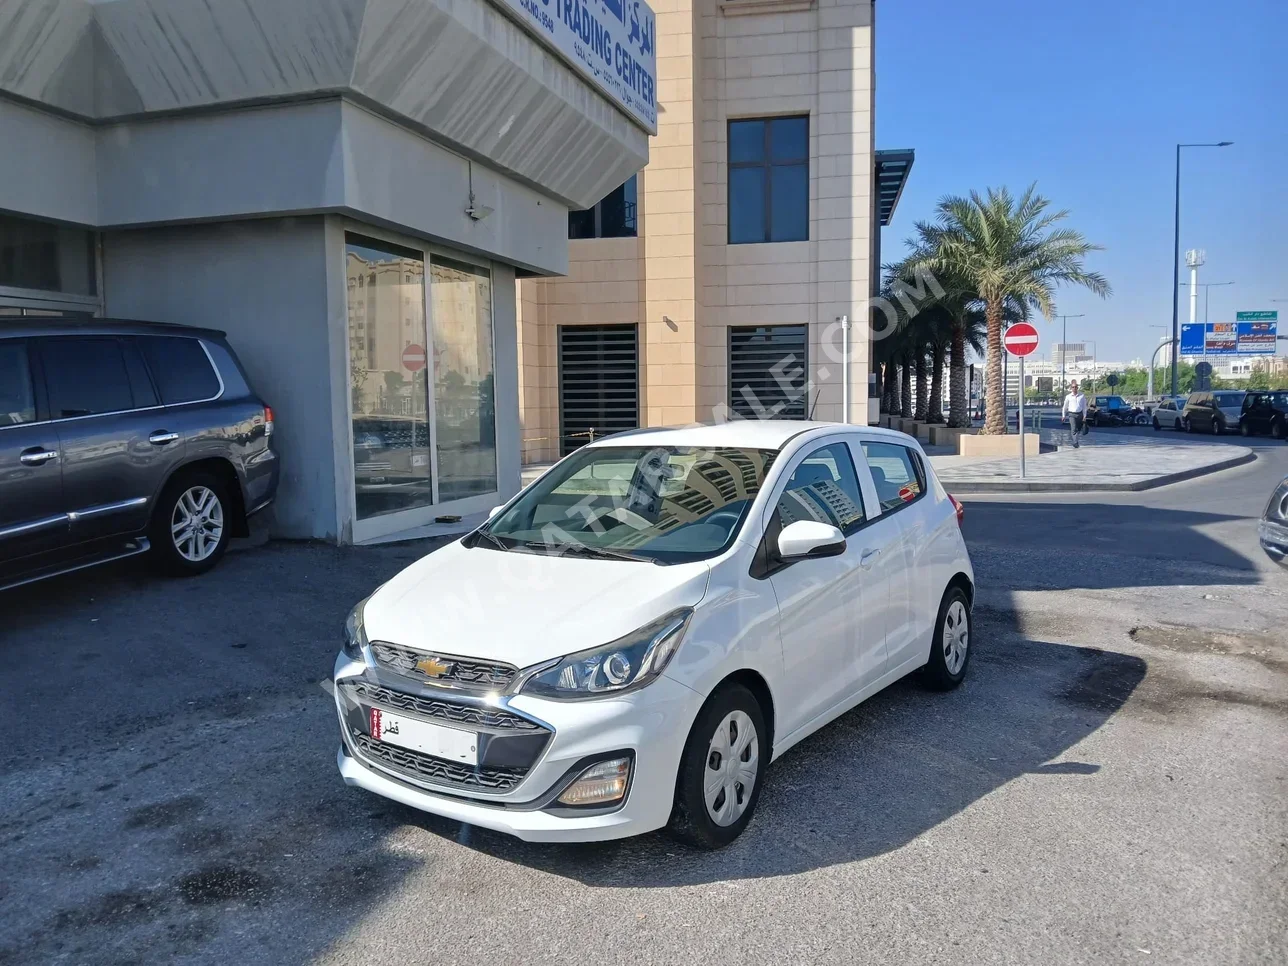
point(612, 43)
point(1021, 339)
point(413, 358)
point(1251, 334)
point(1046, 383)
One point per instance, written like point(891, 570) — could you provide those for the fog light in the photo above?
point(599, 784)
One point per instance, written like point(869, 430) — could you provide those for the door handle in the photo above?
point(161, 437)
point(869, 556)
point(36, 456)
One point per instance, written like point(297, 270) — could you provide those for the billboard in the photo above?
point(610, 42)
point(1251, 334)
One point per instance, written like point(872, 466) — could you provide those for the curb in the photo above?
point(1040, 486)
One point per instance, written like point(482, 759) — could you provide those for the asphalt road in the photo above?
point(1109, 786)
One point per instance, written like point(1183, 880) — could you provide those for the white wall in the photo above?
point(264, 283)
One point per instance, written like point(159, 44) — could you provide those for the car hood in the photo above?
point(524, 608)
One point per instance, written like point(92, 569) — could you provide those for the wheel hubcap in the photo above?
point(956, 637)
point(733, 760)
point(197, 523)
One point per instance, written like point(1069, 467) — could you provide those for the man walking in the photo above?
point(1074, 412)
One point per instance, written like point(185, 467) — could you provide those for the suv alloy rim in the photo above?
point(733, 758)
point(956, 637)
point(197, 523)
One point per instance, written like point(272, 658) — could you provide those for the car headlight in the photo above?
point(625, 664)
point(355, 632)
point(1277, 508)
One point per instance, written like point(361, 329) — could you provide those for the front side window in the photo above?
point(669, 504)
point(86, 377)
point(895, 472)
point(180, 369)
point(769, 180)
point(613, 217)
point(17, 399)
point(824, 488)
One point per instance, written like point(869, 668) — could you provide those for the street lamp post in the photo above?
point(1064, 345)
point(1176, 251)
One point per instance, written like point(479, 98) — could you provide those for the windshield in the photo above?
point(666, 504)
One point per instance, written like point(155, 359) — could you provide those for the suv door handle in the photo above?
point(868, 557)
point(36, 456)
point(161, 437)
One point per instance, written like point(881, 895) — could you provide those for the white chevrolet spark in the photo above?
point(629, 642)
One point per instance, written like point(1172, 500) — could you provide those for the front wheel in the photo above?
point(1157, 425)
point(950, 647)
point(1216, 427)
point(724, 760)
point(191, 524)
point(1244, 428)
point(1189, 426)
point(1279, 429)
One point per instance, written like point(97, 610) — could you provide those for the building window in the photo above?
point(48, 258)
point(767, 372)
point(613, 217)
point(769, 180)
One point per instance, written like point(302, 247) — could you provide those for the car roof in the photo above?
point(29, 327)
point(745, 433)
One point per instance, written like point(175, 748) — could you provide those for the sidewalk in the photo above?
point(1102, 463)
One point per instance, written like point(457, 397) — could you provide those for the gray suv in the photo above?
point(124, 438)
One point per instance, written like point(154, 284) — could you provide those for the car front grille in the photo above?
point(446, 711)
point(463, 673)
point(426, 768)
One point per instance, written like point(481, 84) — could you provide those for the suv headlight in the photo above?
point(626, 664)
point(1277, 508)
point(355, 632)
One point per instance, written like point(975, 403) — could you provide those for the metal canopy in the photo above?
point(892, 169)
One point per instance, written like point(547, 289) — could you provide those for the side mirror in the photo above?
point(494, 511)
point(806, 539)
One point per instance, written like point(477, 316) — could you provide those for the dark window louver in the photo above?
point(598, 382)
point(767, 372)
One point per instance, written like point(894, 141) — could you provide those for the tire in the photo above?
point(1279, 429)
point(1189, 426)
point(1244, 429)
point(192, 551)
point(950, 646)
point(1157, 425)
point(729, 711)
point(1216, 427)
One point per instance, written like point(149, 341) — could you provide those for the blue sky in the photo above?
point(1089, 99)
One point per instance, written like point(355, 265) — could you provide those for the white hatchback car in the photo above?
point(630, 641)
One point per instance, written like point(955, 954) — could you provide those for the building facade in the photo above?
point(715, 283)
point(348, 188)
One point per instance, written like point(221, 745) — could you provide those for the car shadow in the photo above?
point(887, 772)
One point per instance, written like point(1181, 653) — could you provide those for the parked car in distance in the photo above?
point(1265, 412)
point(1273, 529)
point(1213, 412)
point(630, 641)
point(1114, 411)
point(123, 438)
point(1167, 413)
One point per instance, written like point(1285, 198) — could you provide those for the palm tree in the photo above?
point(1006, 249)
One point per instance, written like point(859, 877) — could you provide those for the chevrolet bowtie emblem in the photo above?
point(432, 667)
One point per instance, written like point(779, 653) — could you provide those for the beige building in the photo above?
point(714, 281)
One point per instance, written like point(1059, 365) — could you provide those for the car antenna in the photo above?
point(815, 405)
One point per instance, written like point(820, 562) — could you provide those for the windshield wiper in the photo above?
point(599, 553)
point(490, 537)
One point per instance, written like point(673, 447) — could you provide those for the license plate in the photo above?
point(430, 739)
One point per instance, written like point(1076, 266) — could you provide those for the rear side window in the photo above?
point(1228, 400)
point(17, 400)
point(86, 376)
point(896, 474)
point(180, 368)
point(824, 488)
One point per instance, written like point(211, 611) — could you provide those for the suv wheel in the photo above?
point(1244, 428)
point(1217, 427)
point(719, 781)
point(1189, 425)
point(950, 647)
point(191, 524)
point(1157, 425)
point(1279, 429)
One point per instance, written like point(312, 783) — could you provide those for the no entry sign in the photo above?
point(413, 358)
point(1021, 339)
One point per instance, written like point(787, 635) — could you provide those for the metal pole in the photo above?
point(1064, 351)
point(1176, 272)
point(845, 367)
point(1023, 470)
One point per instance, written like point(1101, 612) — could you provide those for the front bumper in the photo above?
point(1274, 539)
point(650, 725)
